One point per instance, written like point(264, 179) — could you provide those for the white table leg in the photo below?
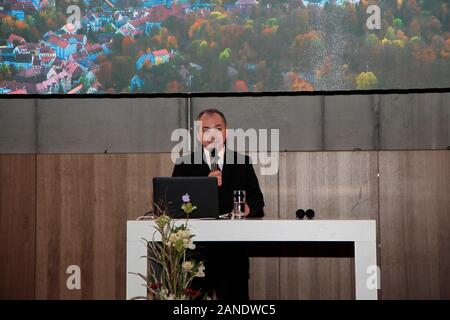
point(366, 270)
point(135, 284)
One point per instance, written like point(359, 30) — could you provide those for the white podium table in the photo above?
point(361, 232)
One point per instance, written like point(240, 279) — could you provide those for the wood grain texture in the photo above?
point(335, 185)
point(264, 271)
point(17, 226)
point(83, 204)
point(415, 224)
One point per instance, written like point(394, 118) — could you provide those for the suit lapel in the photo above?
point(226, 169)
point(203, 167)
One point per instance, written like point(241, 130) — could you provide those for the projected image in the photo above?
point(156, 46)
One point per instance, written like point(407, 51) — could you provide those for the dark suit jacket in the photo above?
point(227, 267)
point(238, 175)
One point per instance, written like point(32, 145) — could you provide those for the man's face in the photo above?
point(213, 131)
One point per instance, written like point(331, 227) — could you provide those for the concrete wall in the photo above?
point(112, 125)
point(18, 126)
point(347, 122)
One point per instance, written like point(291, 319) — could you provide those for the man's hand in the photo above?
point(218, 175)
point(247, 209)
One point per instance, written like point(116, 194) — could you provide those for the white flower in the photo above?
point(189, 244)
point(184, 234)
point(173, 237)
point(187, 266)
point(163, 294)
point(201, 271)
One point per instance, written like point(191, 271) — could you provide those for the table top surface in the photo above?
point(267, 229)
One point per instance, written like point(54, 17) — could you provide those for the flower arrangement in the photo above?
point(172, 268)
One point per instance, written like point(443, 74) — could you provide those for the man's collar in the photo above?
point(219, 158)
point(220, 153)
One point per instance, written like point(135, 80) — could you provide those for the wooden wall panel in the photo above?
point(336, 185)
point(83, 204)
point(84, 201)
point(415, 224)
point(17, 226)
point(264, 271)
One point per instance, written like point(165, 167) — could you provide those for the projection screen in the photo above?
point(155, 46)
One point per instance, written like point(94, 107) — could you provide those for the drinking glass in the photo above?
point(239, 204)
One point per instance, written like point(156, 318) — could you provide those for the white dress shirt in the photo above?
point(220, 155)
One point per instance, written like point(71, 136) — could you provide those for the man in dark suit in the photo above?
point(227, 267)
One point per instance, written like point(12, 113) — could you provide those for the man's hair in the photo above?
point(211, 112)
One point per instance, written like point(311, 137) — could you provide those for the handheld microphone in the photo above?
point(214, 164)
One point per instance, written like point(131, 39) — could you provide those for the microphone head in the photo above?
point(300, 214)
point(310, 213)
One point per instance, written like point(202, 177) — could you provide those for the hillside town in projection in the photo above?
point(168, 46)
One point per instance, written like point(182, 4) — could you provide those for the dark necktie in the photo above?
point(214, 160)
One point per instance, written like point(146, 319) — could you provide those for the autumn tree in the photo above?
point(122, 70)
point(129, 47)
point(240, 86)
point(160, 78)
point(104, 75)
point(295, 83)
point(174, 86)
point(366, 81)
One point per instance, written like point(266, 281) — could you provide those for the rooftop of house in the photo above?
point(46, 59)
point(92, 48)
point(20, 91)
point(13, 37)
point(79, 55)
point(58, 42)
point(46, 50)
point(69, 27)
point(140, 21)
point(44, 85)
point(160, 52)
point(28, 46)
point(79, 37)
